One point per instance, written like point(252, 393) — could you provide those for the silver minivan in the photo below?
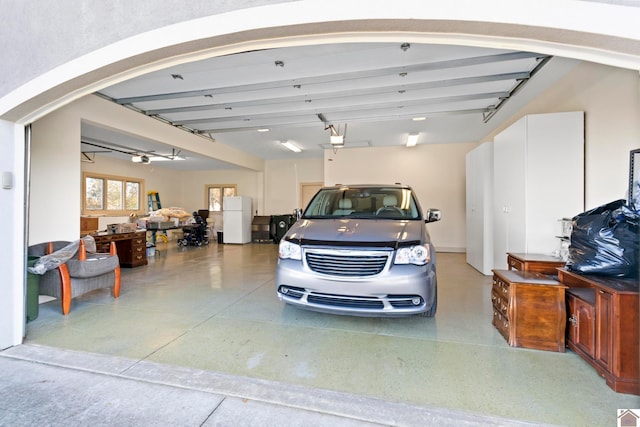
point(360, 250)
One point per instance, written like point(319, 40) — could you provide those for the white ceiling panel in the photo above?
point(374, 88)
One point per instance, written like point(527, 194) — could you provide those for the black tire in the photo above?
point(434, 307)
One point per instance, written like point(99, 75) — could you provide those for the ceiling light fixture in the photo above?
point(291, 146)
point(141, 159)
point(336, 139)
point(419, 119)
point(412, 139)
point(263, 130)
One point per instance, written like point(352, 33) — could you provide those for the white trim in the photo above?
point(603, 20)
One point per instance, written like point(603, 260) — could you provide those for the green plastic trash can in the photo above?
point(33, 283)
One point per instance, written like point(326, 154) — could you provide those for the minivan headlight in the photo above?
point(418, 255)
point(289, 250)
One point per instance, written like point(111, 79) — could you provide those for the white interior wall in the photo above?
point(12, 261)
point(248, 184)
point(282, 183)
point(610, 98)
point(54, 203)
point(435, 171)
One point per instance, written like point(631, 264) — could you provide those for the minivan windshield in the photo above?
point(363, 202)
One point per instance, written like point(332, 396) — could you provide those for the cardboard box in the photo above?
point(121, 228)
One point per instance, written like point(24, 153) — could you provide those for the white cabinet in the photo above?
point(479, 180)
point(538, 177)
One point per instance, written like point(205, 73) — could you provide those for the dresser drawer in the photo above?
point(139, 241)
point(501, 323)
point(515, 264)
point(501, 287)
point(500, 304)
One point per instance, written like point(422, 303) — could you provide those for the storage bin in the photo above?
point(33, 291)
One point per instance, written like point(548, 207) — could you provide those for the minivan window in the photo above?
point(370, 202)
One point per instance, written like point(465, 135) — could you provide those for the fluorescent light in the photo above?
point(419, 119)
point(337, 139)
point(412, 139)
point(165, 159)
point(291, 146)
point(263, 130)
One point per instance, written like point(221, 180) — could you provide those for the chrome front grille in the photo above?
point(347, 263)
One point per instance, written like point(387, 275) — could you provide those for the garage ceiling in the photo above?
point(372, 94)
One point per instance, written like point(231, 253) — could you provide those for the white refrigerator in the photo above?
point(236, 219)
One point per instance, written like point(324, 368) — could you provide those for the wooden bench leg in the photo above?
point(116, 285)
point(65, 288)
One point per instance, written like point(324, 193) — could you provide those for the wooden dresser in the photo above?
point(540, 263)
point(132, 247)
point(529, 309)
point(603, 326)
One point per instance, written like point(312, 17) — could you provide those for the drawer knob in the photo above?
point(573, 320)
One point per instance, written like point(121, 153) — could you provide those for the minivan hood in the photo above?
point(357, 232)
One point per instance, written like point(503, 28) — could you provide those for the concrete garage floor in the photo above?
point(214, 310)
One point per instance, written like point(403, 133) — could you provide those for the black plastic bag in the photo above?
point(605, 241)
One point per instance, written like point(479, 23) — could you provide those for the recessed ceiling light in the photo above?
point(419, 119)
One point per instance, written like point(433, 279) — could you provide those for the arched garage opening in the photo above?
point(269, 27)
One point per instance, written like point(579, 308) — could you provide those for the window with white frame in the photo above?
point(215, 193)
point(111, 195)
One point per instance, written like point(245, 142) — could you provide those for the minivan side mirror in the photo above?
point(433, 215)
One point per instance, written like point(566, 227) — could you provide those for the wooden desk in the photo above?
point(540, 263)
point(132, 247)
point(529, 309)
